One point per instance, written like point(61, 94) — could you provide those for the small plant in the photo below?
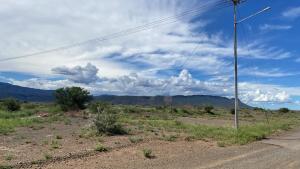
point(101, 148)
point(54, 144)
point(148, 153)
point(170, 138)
point(221, 144)
point(45, 142)
point(5, 167)
point(87, 133)
point(135, 139)
point(58, 137)
point(8, 157)
point(48, 157)
point(11, 104)
point(99, 106)
point(189, 138)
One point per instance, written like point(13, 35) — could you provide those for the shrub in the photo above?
point(148, 153)
point(72, 98)
point(283, 110)
point(48, 156)
point(58, 137)
point(11, 104)
point(97, 107)
point(106, 122)
point(135, 139)
point(101, 148)
point(208, 109)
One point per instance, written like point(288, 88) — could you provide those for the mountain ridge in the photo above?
point(39, 95)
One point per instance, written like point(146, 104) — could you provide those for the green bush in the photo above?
point(72, 98)
point(101, 148)
point(148, 153)
point(283, 110)
point(11, 104)
point(98, 106)
point(208, 109)
point(106, 122)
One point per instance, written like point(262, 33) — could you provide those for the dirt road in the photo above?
point(274, 153)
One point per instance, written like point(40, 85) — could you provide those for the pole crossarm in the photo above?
point(251, 16)
point(236, 2)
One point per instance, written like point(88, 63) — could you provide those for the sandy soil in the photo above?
point(187, 155)
point(191, 155)
point(28, 144)
point(31, 144)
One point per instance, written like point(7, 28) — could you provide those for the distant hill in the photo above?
point(37, 95)
point(25, 93)
point(195, 100)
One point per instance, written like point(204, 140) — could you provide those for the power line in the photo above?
point(126, 32)
point(187, 59)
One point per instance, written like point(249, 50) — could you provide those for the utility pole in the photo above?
point(236, 22)
point(236, 96)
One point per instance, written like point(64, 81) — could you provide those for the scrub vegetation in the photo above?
point(57, 130)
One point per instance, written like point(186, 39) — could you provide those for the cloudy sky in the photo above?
point(188, 54)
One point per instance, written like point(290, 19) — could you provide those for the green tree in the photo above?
point(208, 109)
point(283, 110)
point(11, 104)
point(72, 98)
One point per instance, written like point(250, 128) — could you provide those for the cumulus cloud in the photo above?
point(78, 74)
point(292, 13)
point(182, 84)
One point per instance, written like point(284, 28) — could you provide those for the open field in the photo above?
point(40, 134)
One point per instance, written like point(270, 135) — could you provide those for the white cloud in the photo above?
point(78, 74)
point(29, 26)
point(255, 71)
point(132, 64)
point(268, 27)
point(292, 13)
point(183, 84)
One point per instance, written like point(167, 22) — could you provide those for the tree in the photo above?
point(283, 110)
point(11, 104)
point(208, 109)
point(72, 98)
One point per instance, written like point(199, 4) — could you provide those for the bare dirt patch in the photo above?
point(57, 139)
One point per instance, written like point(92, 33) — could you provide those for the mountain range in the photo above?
point(38, 95)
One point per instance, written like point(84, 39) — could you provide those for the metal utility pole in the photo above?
point(236, 96)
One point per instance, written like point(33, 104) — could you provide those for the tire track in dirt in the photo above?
point(239, 157)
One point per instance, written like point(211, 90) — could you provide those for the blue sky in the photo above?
point(191, 56)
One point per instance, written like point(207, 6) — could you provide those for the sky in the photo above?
point(187, 55)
